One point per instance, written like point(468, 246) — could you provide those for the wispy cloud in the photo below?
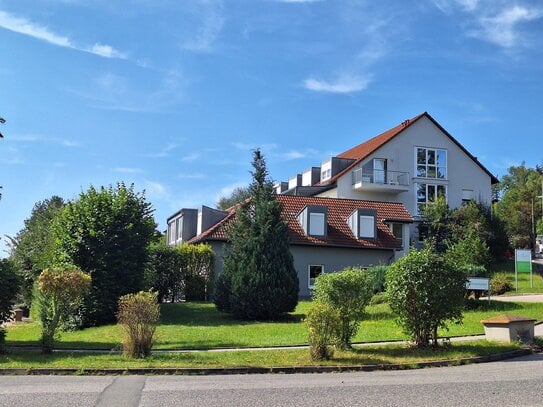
point(111, 91)
point(164, 152)
point(156, 190)
point(343, 84)
point(502, 28)
point(299, 1)
point(35, 138)
point(210, 26)
point(24, 26)
point(197, 175)
point(128, 170)
point(250, 146)
point(190, 157)
point(498, 22)
point(297, 154)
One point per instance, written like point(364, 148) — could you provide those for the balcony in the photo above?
point(393, 182)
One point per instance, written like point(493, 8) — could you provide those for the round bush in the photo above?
point(500, 284)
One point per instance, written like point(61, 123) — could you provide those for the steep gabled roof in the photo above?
point(339, 233)
point(365, 149)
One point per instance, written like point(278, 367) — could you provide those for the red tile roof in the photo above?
point(363, 150)
point(338, 233)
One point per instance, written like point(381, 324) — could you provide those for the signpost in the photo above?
point(479, 283)
point(523, 264)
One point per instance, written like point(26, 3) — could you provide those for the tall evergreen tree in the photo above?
point(259, 280)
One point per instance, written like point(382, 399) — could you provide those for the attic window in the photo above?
point(367, 227)
point(362, 223)
point(316, 224)
point(313, 220)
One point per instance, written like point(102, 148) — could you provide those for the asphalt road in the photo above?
point(516, 382)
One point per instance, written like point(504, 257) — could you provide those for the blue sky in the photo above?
point(173, 95)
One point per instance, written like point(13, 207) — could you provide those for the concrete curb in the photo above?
point(264, 370)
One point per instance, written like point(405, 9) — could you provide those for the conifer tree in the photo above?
point(259, 280)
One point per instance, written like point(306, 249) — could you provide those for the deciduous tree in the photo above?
point(106, 233)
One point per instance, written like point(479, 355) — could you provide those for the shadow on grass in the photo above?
point(205, 314)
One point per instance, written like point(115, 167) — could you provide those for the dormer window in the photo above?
point(313, 219)
point(363, 223)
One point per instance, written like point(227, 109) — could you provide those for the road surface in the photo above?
point(516, 382)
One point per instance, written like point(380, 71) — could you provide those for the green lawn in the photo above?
point(508, 268)
point(263, 358)
point(200, 326)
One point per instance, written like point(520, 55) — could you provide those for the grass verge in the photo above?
point(373, 355)
point(200, 326)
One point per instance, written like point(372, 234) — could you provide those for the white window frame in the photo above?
point(309, 274)
point(428, 201)
point(171, 232)
point(434, 166)
point(316, 220)
point(361, 234)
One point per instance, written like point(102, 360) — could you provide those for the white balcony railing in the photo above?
point(380, 177)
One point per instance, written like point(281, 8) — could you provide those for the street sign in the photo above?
point(523, 264)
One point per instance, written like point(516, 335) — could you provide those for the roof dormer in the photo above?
point(363, 223)
point(314, 220)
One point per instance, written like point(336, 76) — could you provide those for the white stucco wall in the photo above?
point(462, 171)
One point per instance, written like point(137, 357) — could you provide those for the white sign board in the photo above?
point(478, 283)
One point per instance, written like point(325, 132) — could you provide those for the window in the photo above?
point(428, 193)
point(179, 227)
point(326, 174)
point(397, 231)
point(367, 226)
point(314, 272)
point(431, 163)
point(317, 224)
point(467, 195)
point(171, 232)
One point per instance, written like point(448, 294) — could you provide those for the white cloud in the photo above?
point(128, 170)
point(164, 152)
point(501, 29)
point(197, 175)
point(299, 1)
point(211, 25)
point(343, 84)
point(111, 91)
point(34, 138)
point(190, 157)
point(24, 26)
point(248, 146)
point(493, 21)
point(156, 191)
point(106, 51)
point(297, 154)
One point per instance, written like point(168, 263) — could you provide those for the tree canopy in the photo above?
point(519, 188)
point(238, 195)
point(105, 232)
point(32, 249)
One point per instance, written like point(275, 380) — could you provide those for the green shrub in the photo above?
point(349, 292)
point(500, 284)
point(378, 277)
point(379, 298)
point(138, 316)
point(426, 292)
point(323, 326)
point(9, 286)
point(59, 289)
point(470, 250)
